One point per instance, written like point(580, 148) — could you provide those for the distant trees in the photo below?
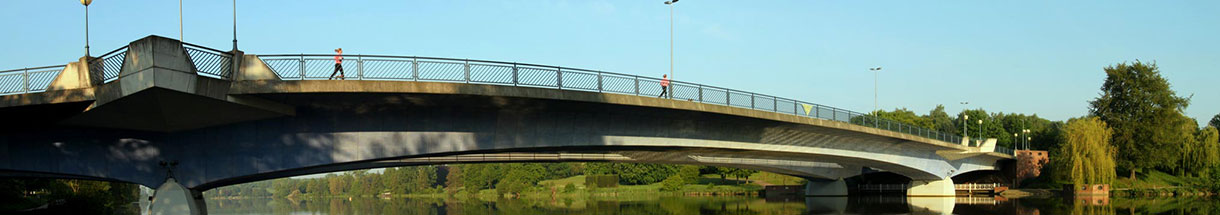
point(1085, 155)
point(1215, 122)
point(1146, 116)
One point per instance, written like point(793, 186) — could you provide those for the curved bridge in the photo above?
point(161, 109)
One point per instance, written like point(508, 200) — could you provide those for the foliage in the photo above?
point(1086, 154)
point(633, 173)
point(1202, 154)
point(77, 196)
point(689, 173)
point(1146, 116)
point(569, 188)
point(1215, 122)
point(673, 183)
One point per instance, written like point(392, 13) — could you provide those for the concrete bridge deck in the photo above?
point(161, 103)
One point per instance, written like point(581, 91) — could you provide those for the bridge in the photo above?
point(183, 119)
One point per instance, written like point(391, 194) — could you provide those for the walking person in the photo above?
point(338, 65)
point(664, 86)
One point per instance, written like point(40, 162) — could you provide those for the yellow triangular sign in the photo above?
point(807, 107)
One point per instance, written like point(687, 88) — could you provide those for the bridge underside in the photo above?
point(340, 131)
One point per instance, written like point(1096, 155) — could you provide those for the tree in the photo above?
point(940, 120)
point(1215, 123)
point(1144, 112)
point(1204, 153)
point(1086, 154)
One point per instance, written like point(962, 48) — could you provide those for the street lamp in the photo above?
point(965, 120)
point(1026, 131)
point(875, 109)
point(671, 42)
point(980, 129)
point(86, 3)
point(234, 26)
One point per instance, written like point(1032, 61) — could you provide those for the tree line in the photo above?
point(468, 178)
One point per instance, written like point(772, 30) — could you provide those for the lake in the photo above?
point(717, 205)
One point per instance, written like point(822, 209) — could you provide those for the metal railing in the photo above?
point(109, 64)
point(210, 62)
point(28, 80)
point(1005, 150)
point(973, 187)
point(882, 188)
point(433, 69)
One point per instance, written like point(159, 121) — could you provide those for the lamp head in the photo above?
point(86, 2)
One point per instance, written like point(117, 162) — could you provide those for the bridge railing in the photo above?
point(28, 80)
point(433, 69)
point(210, 62)
point(109, 65)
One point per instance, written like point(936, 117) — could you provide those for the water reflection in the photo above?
point(715, 205)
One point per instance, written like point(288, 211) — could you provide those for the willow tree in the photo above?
point(1085, 152)
point(1203, 152)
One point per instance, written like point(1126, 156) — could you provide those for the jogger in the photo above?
point(338, 65)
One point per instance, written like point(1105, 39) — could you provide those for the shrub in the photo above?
point(569, 188)
point(673, 183)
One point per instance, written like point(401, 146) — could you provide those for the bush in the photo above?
point(601, 181)
point(673, 183)
point(569, 188)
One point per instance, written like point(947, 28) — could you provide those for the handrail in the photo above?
point(28, 80)
point(440, 69)
point(33, 68)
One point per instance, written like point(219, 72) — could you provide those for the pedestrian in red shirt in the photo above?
point(664, 86)
point(338, 65)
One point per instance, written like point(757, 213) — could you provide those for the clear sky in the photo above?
point(1043, 57)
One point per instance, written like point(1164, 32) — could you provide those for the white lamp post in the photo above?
point(671, 43)
point(86, 3)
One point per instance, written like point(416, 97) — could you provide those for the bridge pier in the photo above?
point(173, 198)
point(931, 188)
point(824, 187)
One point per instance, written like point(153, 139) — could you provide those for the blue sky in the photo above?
point(1043, 57)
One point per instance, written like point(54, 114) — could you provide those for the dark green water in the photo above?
point(714, 205)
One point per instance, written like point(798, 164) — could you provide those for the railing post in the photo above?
point(25, 80)
point(774, 104)
point(728, 98)
point(700, 88)
point(559, 77)
point(637, 85)
point(467, 69)
point(599, 81)
point(415, 69)
point(302, 61)
point(359, 67)
point(514, 74)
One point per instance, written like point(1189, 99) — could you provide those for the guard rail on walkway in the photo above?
point(433, 69)
point(28, 80)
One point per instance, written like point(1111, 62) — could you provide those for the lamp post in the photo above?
point(180, 35)
point(86, 3)
point(980, 129)
point(1026, 131)
point(671, 43)
point(875, 109)
point(965, 120)
point(234, 26)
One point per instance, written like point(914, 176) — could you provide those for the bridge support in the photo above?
point(173, 198)
point(824, 187)
point(931, 205)
point(931, 188)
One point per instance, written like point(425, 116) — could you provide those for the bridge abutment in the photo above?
point(173, 198)
point(931, 188)
point(824, 187)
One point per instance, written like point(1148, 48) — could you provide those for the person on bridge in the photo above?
point(664, 86)
point(338, 65)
